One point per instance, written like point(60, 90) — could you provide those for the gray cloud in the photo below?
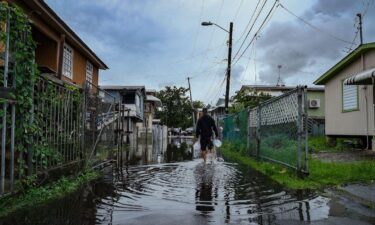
point(299, 48)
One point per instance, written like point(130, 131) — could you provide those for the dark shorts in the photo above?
point(206, 143)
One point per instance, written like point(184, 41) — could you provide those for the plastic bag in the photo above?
point(217, 143)
point(197, 146)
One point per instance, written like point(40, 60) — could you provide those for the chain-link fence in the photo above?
point(276, 130)
point(236, 129)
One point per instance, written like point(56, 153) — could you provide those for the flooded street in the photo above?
point(191, 193)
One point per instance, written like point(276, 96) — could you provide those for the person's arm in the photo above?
point(198, 130)
point(215, 128)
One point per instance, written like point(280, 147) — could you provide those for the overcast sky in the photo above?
point(161, 42)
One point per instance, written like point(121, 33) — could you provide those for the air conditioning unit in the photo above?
point(314, 103)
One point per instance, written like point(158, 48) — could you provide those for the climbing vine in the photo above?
point(34, 96)
point(22, 62)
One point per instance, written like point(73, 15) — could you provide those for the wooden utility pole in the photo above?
point(192, 105)
point(360, 27)
point(229, 67)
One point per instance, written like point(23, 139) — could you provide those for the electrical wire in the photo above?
point(238, 10)
point(313, 26)
point(248, 33)
point(256, 34)
point(248, 24)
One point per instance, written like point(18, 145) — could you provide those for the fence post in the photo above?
point(259, 123)
point(248, 132)
point(306, 130)
point(299, 128)
point(5, 105)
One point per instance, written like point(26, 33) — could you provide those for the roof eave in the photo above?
point(344, 62)
point(74, 36)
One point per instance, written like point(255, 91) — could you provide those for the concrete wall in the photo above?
point(355, 122)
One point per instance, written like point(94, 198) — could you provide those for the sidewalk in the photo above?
point(363, 193)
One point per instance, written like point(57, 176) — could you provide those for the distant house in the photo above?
point(60, 52)
point(315, 97)
point(218, 111)
point(151, 105)
point(133, 98)
point(349, 88)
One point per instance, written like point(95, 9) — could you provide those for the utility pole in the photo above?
point(279, 83)
point(360, 27)
point(229, 67)
point(191, 100)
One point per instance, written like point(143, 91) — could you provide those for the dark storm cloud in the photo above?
point(125, 30)
point(298, 48)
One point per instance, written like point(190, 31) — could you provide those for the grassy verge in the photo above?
point(41, 195)
point(322, 174)
point(319, 144)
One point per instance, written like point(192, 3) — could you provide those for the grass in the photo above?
point(322, 174)
point(41, 195)
point(319, 144)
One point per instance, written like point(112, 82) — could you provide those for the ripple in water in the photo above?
point(206, 194)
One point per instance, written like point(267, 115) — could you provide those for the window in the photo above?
point(128, 98)
point(89, 73)
point(68, 62)
point(349, 98)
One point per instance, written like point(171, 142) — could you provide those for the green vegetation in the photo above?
point(248, 99)
point(281, 147)
point(319, 144)
point(176, 107)
point(322, 174)
point(41, 195)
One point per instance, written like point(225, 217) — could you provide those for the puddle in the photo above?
point(190, 193)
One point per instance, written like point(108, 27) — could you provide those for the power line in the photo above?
point(238, 10)
point(248, 24)
point(248, 33)
point(256, 34)
point(314, 27)
point(198, 31)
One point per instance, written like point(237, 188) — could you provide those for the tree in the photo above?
point(176, 108)
point(244, 99)
point(198, 104)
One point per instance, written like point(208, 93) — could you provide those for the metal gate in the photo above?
point(103, 123)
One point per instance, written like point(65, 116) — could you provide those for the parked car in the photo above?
point(189, 131)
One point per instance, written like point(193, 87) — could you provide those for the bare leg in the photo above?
point(204, 155)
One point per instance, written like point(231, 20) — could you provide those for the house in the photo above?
point(349, 90)
point(218, 111)
point(315, 97)
point(60, 52)
point(151, 105)
point(133, 98)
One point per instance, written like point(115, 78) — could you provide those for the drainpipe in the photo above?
point(61, 56)
point(366, 102)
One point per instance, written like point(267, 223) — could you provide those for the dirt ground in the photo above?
point(348, 156)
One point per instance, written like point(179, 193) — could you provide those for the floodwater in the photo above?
point(191, 192)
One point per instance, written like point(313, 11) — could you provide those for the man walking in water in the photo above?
point(205, 128)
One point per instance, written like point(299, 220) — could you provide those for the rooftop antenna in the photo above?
point(279, 82)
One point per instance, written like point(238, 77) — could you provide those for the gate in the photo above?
point(103, 123)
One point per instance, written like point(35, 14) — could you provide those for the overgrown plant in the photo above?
point(33, 124)
point(22, 49)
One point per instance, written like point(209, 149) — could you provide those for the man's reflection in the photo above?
point(204, 192)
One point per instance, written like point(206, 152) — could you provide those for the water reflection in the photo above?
point(189, 193)
point(206, 191)
point(179, 149)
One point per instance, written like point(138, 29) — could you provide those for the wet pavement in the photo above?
point(192, 193)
